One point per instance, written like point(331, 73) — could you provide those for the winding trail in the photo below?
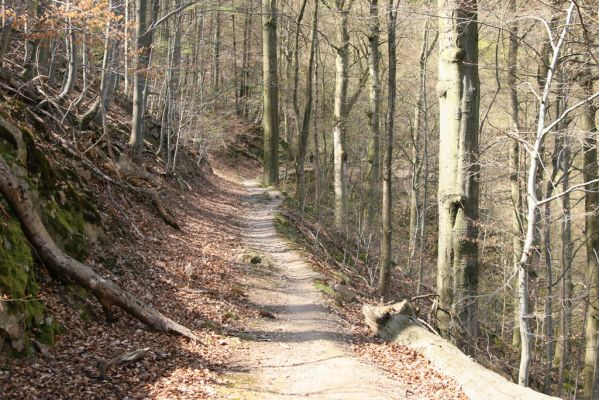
point(304, 351)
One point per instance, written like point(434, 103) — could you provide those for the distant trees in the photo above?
point(366, 162)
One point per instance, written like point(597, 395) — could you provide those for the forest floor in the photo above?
point(265, 329)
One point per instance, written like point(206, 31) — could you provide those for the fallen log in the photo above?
point(398, 323)
point(107, 292)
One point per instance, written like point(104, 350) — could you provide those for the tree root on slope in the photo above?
point(107, 292)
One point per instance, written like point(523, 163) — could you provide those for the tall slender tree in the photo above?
point(373, 167)
point(342, 10)
point(385, 271)
point(270, 92)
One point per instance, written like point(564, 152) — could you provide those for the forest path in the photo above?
point(304, 351)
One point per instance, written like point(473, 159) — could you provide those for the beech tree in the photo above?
point(459, 92)
point(270, 92)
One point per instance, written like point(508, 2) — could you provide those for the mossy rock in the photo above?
point(22, 315)
point(67, 228)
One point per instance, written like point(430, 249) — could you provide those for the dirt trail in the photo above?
point(304, 351)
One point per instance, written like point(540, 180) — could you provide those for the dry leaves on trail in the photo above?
point(413, 369)
point(189, 275)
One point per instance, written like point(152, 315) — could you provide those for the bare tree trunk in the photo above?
point(562, 351)
point(548, 321)
point(5, 37)
point(387, 218)
point(373, 166)
point(317, 163)
point(73, 65)
point(514, 157)
point(340, 112)
point(270, 92)
point(245, 72)
point(303, 137)
point(591, 205)
point(216, 57)
point(142, 59)
point(459, 95)
point(416, 219)
point(144, 38)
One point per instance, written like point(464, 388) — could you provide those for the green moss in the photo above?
point(16, 268)
point(18, 283)
point(324, 287)
point(66, 228)
point(281, 220)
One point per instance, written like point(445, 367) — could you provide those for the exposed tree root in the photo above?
point(109, 294)
point(163, 212)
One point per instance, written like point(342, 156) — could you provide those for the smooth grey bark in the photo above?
point(316, 144)
point(548, 322)
point(270, 92)
point(418, 134)
point(216, 56)
point(372, 175)
point(459, 97)
point(514, 160)
point(387, 217)
point(562, 349)
point(591, 225)
point(340, 111)
point(245, 70)
point(142, 49)
point(295, 56)
point(143, 43)
point(305, 127)
point(73, 57)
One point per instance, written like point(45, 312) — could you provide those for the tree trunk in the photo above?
point(216, 58)
point(304, 131)
point(142, 59)
point(340, 115)
point(109, 294)
point(270, 92)
point(591, 225)
point(459, 95)
point(514, 160)
point(562, 350)
point(245, 71)
point(144, 38)
point(416, 213)
point(73, 65)
point(387, 217)
point(373, 166)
